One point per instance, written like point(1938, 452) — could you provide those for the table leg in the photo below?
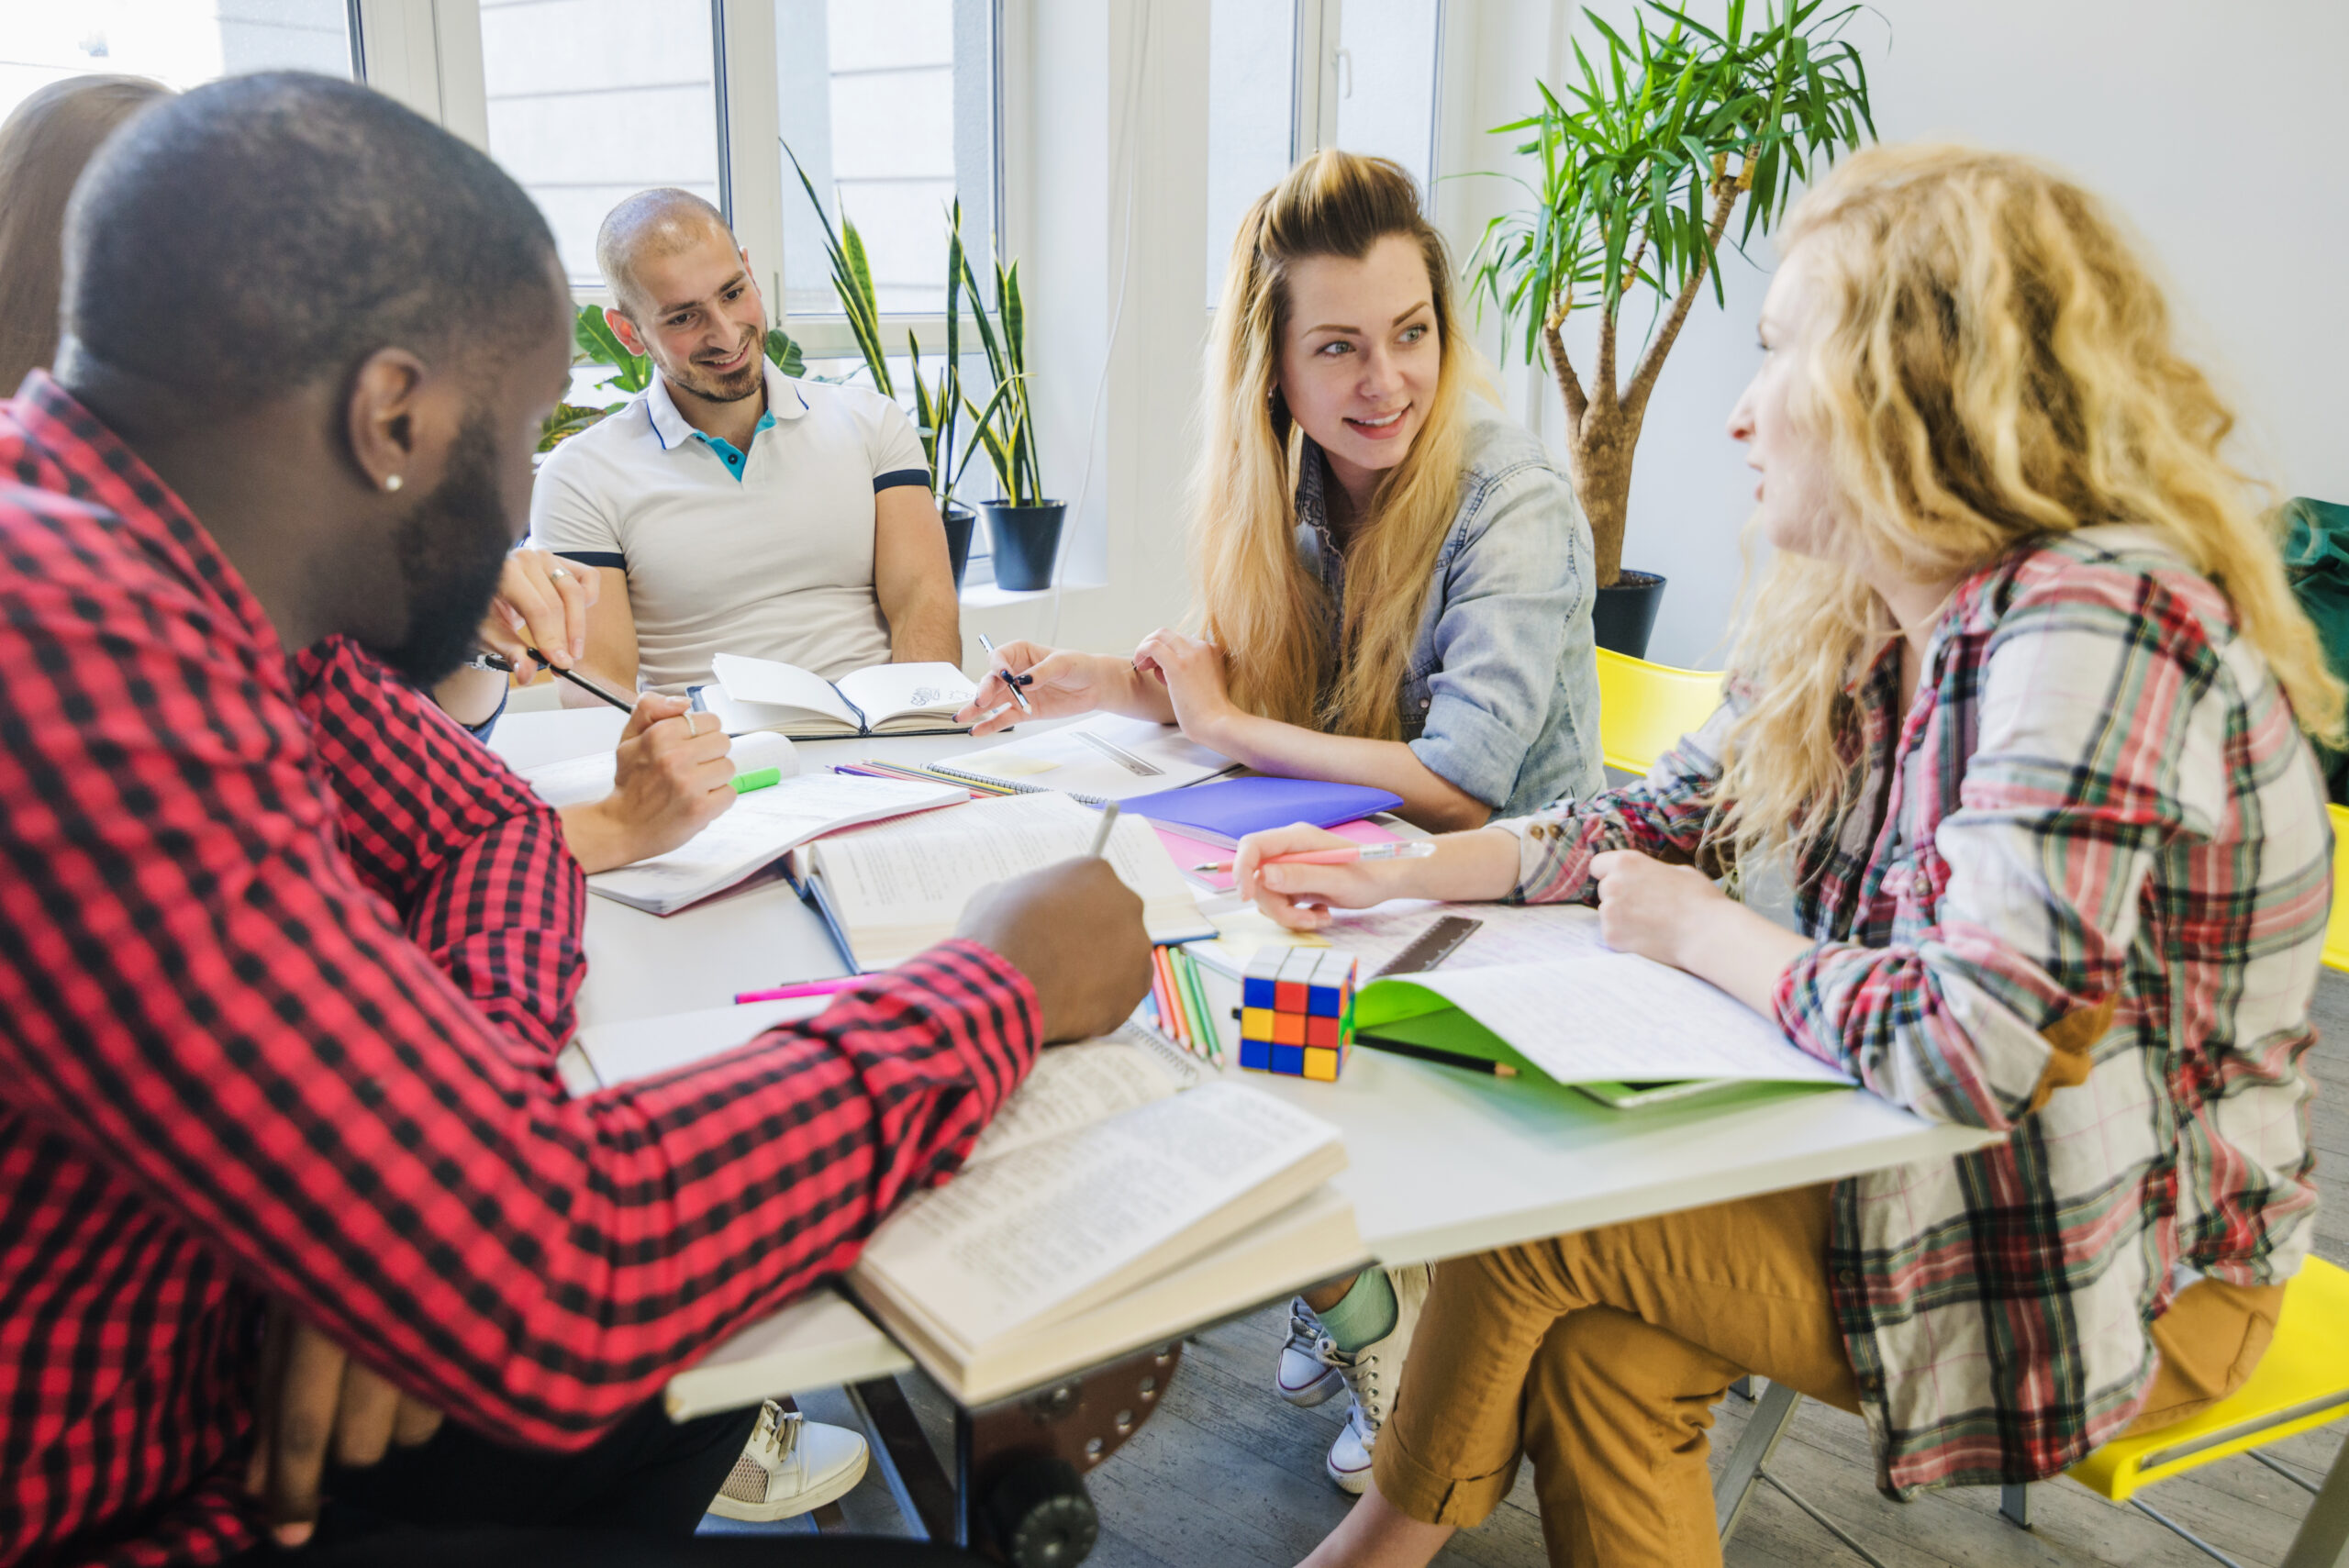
point(920, 1478)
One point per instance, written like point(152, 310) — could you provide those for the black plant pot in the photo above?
point(959, 520)
point(1625, 614)
point(1027, 541)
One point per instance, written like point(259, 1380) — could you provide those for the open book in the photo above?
point(880, 699)
point(1103, 757)
point(759, 829)
point(1104, 1209)
point(889, 892)
point(579, 781)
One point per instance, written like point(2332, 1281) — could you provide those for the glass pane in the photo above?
point(1251, 98)
point(889, 105)
point(594, 100)
point(180, 44)
point(1387, 79)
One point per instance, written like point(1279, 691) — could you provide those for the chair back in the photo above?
point(2336, 930)
point(1644, 710)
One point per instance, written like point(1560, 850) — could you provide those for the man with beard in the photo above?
point(730, 508)
point(309, 341)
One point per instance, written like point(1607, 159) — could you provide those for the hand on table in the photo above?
point(312, 1394)
point(1191, 669)
point(1076, 931)
point(672, 778)
point(1301, 897)
point(1651, 909)
point(542, 603)
point(1064, 682)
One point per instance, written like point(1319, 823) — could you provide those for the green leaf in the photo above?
point(786, 353)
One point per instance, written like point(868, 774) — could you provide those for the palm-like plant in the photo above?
point(1643, 163)
point(1006, 426)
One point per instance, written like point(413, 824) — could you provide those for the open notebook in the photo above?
point(880, 699)
point(758, 829)
point(1110, 1205)
point(890, 891)
point(1105, 756)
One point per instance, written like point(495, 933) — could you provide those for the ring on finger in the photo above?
point(690, 727)
point(559, 571)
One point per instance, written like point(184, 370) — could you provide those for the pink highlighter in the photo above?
point(804, 988)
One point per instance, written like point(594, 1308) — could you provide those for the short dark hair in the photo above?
point(659, 222)
point(264, 233)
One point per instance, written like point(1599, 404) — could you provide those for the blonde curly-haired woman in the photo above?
point(2022, 696)
point(1396, 585)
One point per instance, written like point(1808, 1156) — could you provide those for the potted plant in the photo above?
point(1643, 163)
point(937, 406)
point(1024, 526)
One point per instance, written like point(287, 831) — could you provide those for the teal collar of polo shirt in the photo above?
point(784, 401)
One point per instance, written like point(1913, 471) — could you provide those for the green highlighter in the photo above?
point(745, 782)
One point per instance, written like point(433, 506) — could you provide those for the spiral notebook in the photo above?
point(1098, 758)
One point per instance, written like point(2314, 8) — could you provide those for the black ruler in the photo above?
point(1431, 946)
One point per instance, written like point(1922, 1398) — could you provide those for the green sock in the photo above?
point(1364, 1314)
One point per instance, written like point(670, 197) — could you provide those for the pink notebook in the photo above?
point(1189, 853)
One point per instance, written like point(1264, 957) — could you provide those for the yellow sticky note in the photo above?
point(1248, 927)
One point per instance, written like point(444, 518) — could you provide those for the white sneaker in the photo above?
point(790, 1465)
point(1308, 1371)
point(1373, 1376)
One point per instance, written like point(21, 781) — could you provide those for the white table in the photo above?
point(1442, 1163)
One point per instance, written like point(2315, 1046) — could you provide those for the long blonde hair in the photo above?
point(1994, 366)
point(1260, 605)
point(44, 145)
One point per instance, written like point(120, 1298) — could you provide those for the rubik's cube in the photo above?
point(1297, 1012)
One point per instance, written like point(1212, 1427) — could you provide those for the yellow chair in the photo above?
point(1644, 710)
point(2336, 931)
point(2301, 1383)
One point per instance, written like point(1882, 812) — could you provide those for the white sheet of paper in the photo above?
point(1604, 1016)
point(746, 679)
point(883, 690)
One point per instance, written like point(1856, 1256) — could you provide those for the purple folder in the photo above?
point(1225, 812)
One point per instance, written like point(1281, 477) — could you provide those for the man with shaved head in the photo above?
point(309, 341)
point(730, 508)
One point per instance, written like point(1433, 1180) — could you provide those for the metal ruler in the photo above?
point(1431, 946)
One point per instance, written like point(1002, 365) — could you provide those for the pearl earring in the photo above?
point(393, 481)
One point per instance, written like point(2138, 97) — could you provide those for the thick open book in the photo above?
point(1103, 757)
point(1104, 1209)
point(880, 699)
point(889, 892)
point(759, 829)
point(580, 781)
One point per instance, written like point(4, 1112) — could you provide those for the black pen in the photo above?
point(496, 663)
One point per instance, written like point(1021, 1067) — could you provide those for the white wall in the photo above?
point(2212, 130)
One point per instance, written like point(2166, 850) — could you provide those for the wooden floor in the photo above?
point(1227, 1475)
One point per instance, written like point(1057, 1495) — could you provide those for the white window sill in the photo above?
point(988, 597)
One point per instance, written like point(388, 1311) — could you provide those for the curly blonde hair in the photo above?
point(1995, 365)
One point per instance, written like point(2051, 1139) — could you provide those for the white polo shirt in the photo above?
point(767, 553)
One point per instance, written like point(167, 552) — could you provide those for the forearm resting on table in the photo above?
point(1430, 800)
point(598, 836)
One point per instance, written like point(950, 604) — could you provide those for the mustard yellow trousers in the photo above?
point(1601, 1355)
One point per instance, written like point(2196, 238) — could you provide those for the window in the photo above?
point(590, 101)
point(1387, 66)
point(180, 44)
point(889, 105)
point(1252, 110)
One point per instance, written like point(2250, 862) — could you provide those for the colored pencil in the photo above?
point(1211, 1038)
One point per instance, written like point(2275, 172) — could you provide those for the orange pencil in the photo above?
point(1168, 1014)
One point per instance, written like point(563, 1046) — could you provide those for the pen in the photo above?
point(1101, 834)
point(1011, 683)
point(1429, 1054)
point(1409, 850)
point(803, 988)
point(494, 662)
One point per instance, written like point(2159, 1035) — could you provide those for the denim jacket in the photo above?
point(1501, 694)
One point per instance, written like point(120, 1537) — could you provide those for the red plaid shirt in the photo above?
point(225, 1069)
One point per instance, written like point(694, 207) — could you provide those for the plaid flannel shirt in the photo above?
point(226, 1070)
point(2080, 897)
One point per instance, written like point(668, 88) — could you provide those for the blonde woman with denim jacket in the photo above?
point(1394, 582)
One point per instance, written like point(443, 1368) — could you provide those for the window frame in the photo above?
point(427, 54)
